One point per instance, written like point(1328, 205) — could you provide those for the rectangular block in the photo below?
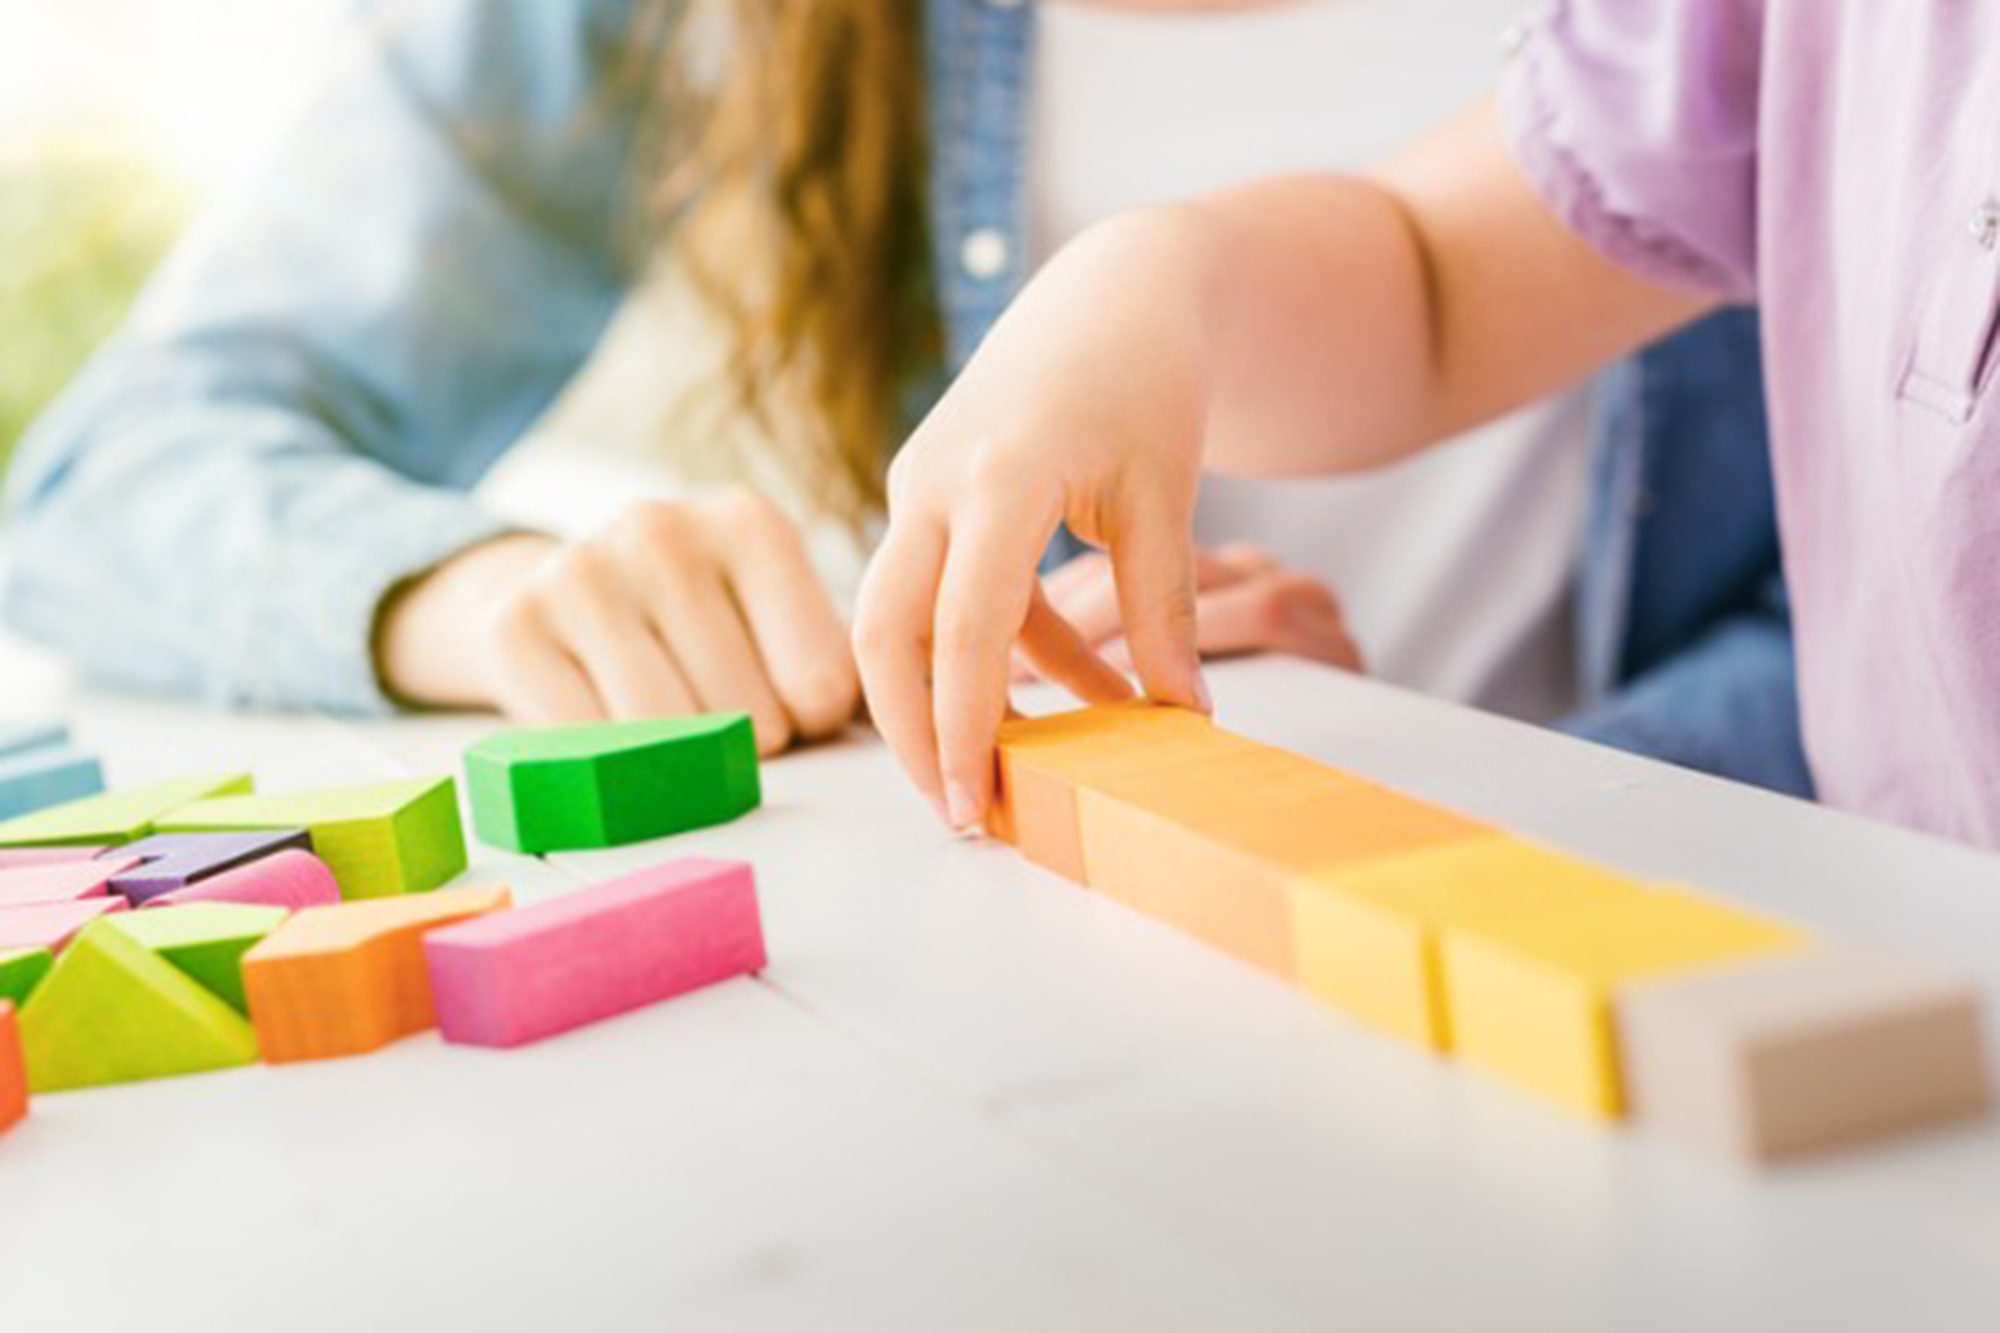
point(51, 925)
point(20, 858)
point(1367, 935)
point(27, 885)
point(379, 841)
point(1530, 998)
point(290, 879)
point(1786, 1057)
point(32, 780)
point(515, 977)
point(13, 1071)
point(1212, 849)
point(17, 736)
point(117, 817)
point(351, 977)
point(164, 862)
point(606, 784)
point(21, 970)
point(1041, 761)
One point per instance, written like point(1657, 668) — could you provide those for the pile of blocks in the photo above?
point(1604, 994)
point(198, 925)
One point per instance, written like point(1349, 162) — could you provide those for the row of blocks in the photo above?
point(1604, 994)
point(213, 985)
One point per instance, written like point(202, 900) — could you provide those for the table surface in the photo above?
point(967, 1095)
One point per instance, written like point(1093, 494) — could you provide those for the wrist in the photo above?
point(427, 628)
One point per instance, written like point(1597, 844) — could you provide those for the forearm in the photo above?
point(1343, 322)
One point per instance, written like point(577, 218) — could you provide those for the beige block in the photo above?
point(1792, 1055)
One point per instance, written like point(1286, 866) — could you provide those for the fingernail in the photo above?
point(961, 811)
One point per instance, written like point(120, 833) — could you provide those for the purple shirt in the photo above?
point(1838, 162)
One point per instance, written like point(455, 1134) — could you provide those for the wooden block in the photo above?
point(32, 780)
point(1043, 760)
point(52, 925)
point(13, 1071)
point(290, 879)
point(351, 977)
point(205, 940)
point(1780, 1058)
point(165, 862)
point(1212, 848)
point(515, 977)
point(379, 841)
point(20, 858)
point(115, 817)
point(16, 737)
point(1530, 998)
point(605, 784)
point(1367, 935)
point(28, 885)
point(112, 1011)
point(21, 970)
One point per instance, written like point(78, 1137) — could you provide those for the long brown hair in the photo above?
point(791, 163)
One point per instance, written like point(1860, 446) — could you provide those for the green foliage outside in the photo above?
point(80, 229)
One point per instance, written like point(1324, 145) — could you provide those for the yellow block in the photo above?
point(1211, 849)
point(1366, 936)
point(1529, 997)
point(1042, 760)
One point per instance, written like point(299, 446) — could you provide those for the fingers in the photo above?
point(534, 679)
point(892, 648)
point(1153, 561)
point(1056, 651)
point(983, 600)
point(605, 628)
point(798, 635)
point(1281, 612)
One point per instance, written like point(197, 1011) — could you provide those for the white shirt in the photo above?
point(1455, 567)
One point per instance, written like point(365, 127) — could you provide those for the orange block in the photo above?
point(350, 977)
point(1042, 762)
point(13, 1071)
point(1211, 848)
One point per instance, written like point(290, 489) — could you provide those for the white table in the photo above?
point(967, 1095)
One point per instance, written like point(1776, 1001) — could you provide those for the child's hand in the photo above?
point(1084, 406)
point(706, 606)
point(1245, 602)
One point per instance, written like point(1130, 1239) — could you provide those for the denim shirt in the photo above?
point(291, 423)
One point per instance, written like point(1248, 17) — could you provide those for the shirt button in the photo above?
point(984, 253)
point(1985, 226)
point(1513, 40)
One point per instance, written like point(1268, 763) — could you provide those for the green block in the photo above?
point(21, 970)
point(604, 784)
point(117, 816)
point(379, 841)
point(205, 940)
point(113, 1011)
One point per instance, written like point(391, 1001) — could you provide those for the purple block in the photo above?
point(175, 860)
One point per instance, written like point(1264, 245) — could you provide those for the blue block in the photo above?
point(37, 779)
point(20, 737)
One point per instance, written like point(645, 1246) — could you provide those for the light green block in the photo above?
point(379, 841)
point(205, 940)
point(113, 1011)
point(117, 816)
point(21, 970)
point(605, 784)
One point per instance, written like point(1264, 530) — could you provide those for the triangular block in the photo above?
point(24, 886)
point(116, 817)
point(381, 840)
point(112, 1011)
point(21, 970)
point(51, 925)
point(205, 940)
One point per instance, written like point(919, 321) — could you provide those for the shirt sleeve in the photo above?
point(290, 424)
point(1636, 122)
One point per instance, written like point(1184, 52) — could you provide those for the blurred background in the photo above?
point(117, 117)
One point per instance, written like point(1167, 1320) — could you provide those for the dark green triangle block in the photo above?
point(113, 1011)
point(205, 940)
point(21, 970)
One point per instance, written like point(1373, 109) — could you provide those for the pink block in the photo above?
point(283, 879)
point(516, 977)
point(51, 925)
point(25, 886)
point(13, 858)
